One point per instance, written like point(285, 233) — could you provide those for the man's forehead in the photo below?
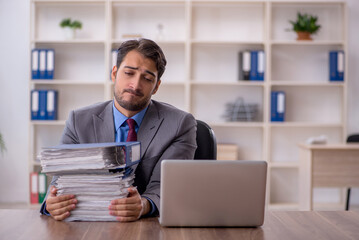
point(141, 70)
point(136, 61)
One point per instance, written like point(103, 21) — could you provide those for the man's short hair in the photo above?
point(148, 48)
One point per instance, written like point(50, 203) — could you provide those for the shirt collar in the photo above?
point(119, 118)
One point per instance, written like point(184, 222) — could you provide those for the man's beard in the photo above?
point(130, 105)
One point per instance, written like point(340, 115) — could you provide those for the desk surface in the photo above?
point(327, 165)
point(338, 146)
point(28, 224)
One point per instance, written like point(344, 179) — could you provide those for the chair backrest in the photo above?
point(206, 142)
point(353, 138)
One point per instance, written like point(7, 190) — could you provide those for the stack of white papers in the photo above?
point(94, 193)
point(95, 173)
point(74, 157)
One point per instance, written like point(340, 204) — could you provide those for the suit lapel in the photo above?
point(149, 127)
point(104, 126)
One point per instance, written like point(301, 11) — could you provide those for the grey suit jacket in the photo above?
point(165, 133)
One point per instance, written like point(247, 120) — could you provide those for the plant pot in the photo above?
point(303, 36)
point(70, 33)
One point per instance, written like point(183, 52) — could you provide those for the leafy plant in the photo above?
point(2, 144)
point(305, 23)
point(71, 24)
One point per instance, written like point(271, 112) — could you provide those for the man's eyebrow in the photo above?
point(131, 67)
point(134, 68)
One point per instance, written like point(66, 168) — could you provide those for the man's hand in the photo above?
point(130, 208)
point(60, 206)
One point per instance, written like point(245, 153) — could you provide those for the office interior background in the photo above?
point(15, 75)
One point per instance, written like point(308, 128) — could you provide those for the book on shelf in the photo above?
point(244, 65)
point(34, 188)
point(42, 63)
point(51, 104)
point(251, 65)
point(95, 173)
point(260, 65)
point(38, 104)
point(227, 151)
point(38, 187)
point(44, 104)
point(42, 186)
point(336, 66)
point(278, 106)
point(50, 61)
point(35, 64)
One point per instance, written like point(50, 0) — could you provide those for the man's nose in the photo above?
point(135, 81)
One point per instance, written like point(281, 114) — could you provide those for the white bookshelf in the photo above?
point(201, 41)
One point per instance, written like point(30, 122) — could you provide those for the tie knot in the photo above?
point(131, 123)
point(132, 135)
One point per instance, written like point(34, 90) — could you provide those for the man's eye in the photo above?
point(149, 79)
point(129, 73)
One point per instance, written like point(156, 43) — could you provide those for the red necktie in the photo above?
point(132, 136)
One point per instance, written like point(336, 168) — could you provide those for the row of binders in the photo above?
point(42, 63)
point(44, 104)
point(43, 60)
point(251, 65)
point(38, 187)
point(336, 66)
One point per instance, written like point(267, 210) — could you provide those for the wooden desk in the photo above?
point(326, 166)
point(28, 224)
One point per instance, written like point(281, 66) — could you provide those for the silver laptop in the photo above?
point(212, 193)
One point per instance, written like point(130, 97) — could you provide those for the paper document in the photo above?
point(95, 173)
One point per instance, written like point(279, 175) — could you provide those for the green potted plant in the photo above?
point(305, 25)
point(70, 27)
point(2, 144)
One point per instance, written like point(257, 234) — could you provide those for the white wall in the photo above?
point(14, 94)
point(353, 85)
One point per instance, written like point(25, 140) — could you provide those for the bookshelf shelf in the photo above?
point(48, 123)
point(307, 83)
point(202, 40)
point(170, 42)
point(210, 42)
point(305, 124)
point(233, 83)
point(307, 43)
point(147, 1)
point(238, 124)
point(68, 1)
point(284, 164)
point(65, 82)
point(75, 41)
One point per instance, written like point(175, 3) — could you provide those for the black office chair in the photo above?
point(206, 142)
point(351, 138)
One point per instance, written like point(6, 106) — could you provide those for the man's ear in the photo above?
point(113, 74)
point(157, 86)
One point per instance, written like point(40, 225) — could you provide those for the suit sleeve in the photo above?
point(69, 135)
point(183, 146)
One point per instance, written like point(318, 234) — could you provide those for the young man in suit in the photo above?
point(164, 131)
